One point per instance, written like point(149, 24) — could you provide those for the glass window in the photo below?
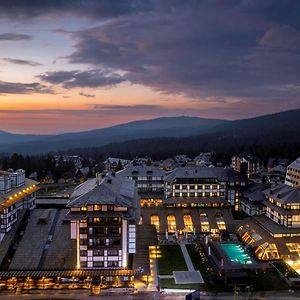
point(171, 220)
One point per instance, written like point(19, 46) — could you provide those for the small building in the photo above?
point(103, 217)
point(112, 162)
point(293, 174)
point(75, 159)
point(274, 162)
point(181, 159)
point(247, 164)
point(252, 200)
point(203, 160)
point(168, 164)
point(16, 192)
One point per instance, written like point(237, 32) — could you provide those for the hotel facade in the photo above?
point(246, 164)
point(203, 187)
point(293, 174)
point(16, 193)
point(103, 214)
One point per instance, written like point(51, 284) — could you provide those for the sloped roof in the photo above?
point(295, 164)
point(284, 194)
point(110, 190)
point(142, 170)
point(198, 172)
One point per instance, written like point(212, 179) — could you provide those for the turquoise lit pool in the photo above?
point(236, 253)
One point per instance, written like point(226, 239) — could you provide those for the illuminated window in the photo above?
point(171, 220)
point(204, 222)
point(267, 251)
point(294, 247)
point(220, 221)
point(154, 220)
point(188, 223)
point(83, 208)
point(97, 207)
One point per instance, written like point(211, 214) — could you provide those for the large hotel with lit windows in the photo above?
point(202, 187)
point(274, 229)
point(16, 193)
point(194, 200)
point(103, 214)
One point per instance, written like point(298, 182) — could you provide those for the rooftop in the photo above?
point(143, 171)
point(295, 164)
point(284, 194)
point(203, 172)
point(16, 194)
point(112, 189)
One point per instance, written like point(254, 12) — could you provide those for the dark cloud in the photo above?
point(87, 95)
point(22, 62)
point(86, 8)
point(215, 50)
point(23, 88)
point(14, 36)
point(203, 49)
point(90, 78)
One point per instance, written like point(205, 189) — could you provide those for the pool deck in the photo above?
point(224, 264)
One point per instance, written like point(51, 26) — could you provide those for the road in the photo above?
point(83, 295)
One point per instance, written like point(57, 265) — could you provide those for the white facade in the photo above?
point(16, 193)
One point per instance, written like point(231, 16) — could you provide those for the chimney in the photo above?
point(97, 178)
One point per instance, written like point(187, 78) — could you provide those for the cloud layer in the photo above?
point(92, 78)
point(23, 88)
point(238, 57)
point(14, 37)
point(203, 49)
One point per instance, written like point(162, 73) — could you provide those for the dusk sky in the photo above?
point(73, 65)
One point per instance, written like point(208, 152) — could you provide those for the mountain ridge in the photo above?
point(164, 126)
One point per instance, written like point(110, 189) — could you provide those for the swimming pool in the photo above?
point(236, 253)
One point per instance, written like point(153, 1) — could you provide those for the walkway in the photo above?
point(187, 258)
point(50, 237)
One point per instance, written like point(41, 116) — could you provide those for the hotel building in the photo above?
point(283, 205)
point(203, 187)
point(292, 177)
point(149, 182)
point(275, 233)
point(16, 192)
point(103, 215)
point(246, 164)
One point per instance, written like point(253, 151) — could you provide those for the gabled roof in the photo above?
point(295, 164)
point(110, 190)
point(284, 194)
point(248, 157)
point(142, 170)
point(198, 172)
point(115, 160)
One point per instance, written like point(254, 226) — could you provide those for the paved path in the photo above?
point(166, 276)
point(187, 258)
point(48, 242)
